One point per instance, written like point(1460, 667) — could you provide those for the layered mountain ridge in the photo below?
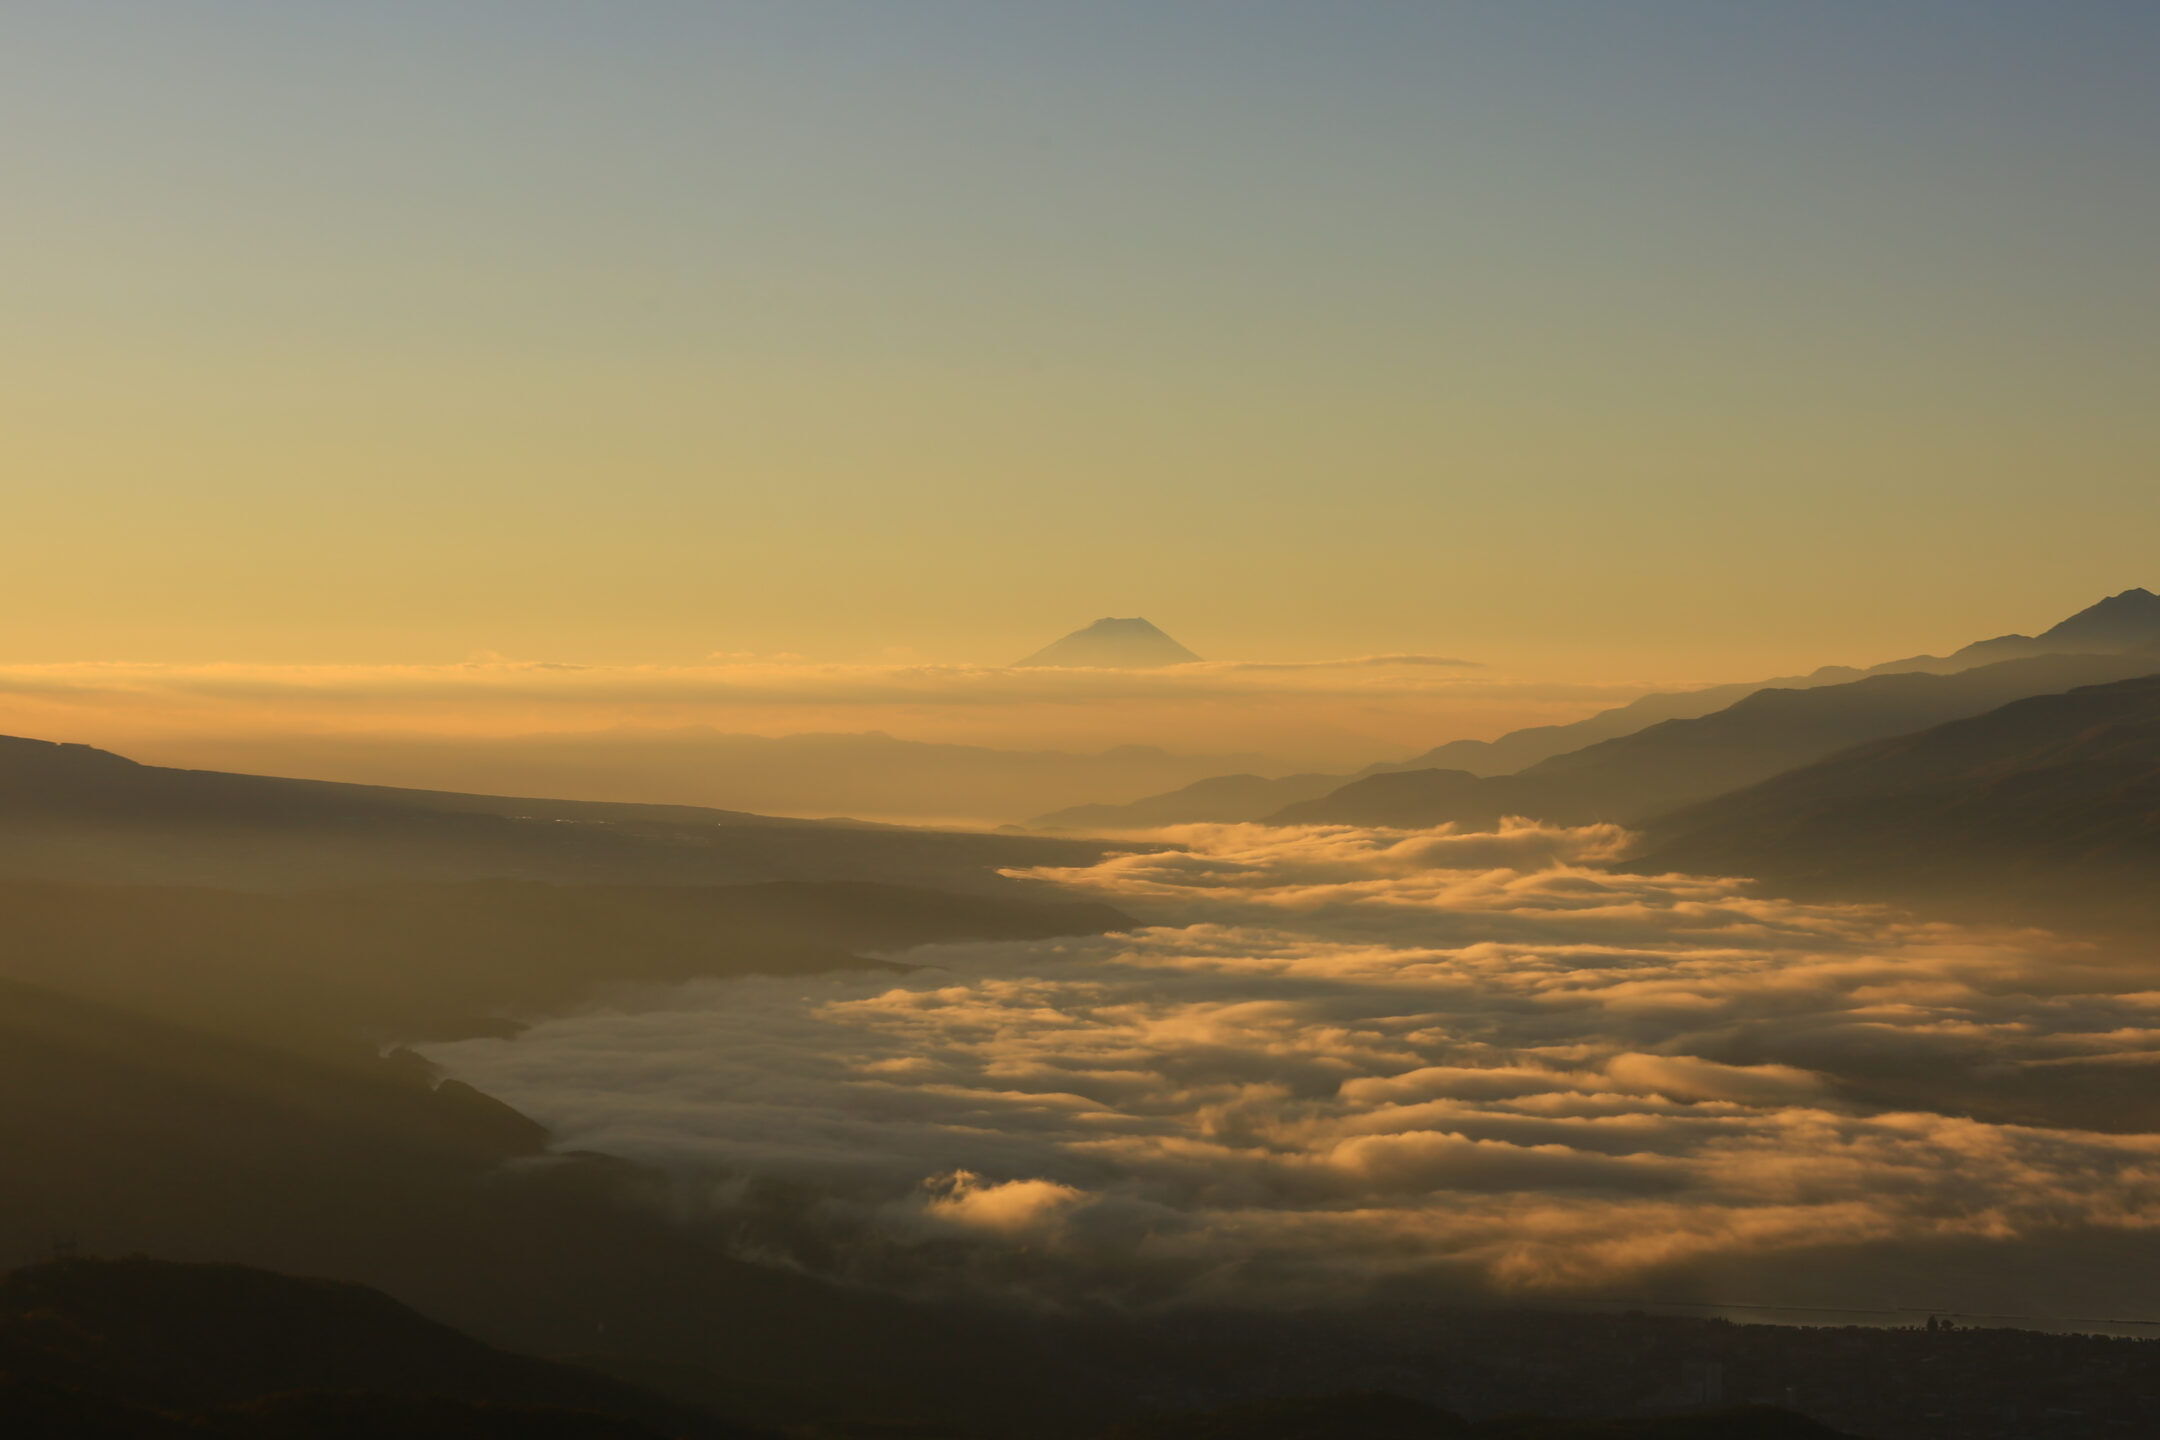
point(1677, 762)
point(1601, 768)
point(74, 813)
point(2047, 806)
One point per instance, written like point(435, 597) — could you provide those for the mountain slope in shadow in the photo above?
point(2123, 622)
point(1680, 762)
point(126, 1134)
point(2045, 808)
point(228, 1350)
point(70, 812)
point(315, 970)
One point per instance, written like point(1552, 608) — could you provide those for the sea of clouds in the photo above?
point(1333, 1063)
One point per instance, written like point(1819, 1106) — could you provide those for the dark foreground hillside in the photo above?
point(189, 1073)
point(143, 1347)
point(1383, 1416)
point(102, 1349)
point(418, 961)
point(2048, 808)
point(125, 1134)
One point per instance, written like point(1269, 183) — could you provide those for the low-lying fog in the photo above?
point(1340, 1062)
point(913, 742)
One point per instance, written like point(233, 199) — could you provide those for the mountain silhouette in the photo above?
point(74, 813)
point(1112, 644)
point(819, 773)
point(2126, 621)
point(135, 1135)
point(1679, 762)
point(2047, 807)
point(446, 958)
point(2123, 622)
point(2120, 622)
point(151, 1347)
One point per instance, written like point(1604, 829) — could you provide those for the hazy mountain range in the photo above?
point(831, 774)
point(76, 813)
point(1677, 762)
point(2120, 622)
point(1662, 751)
point(2049, 804)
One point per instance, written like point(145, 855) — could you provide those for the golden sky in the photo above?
point(1608, 344)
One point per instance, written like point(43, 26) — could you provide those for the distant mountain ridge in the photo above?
point(1633, 777)
point(1111, 644)
point(2128, 621)
point(2048, 805)
point(867, 773)
point(74, 813)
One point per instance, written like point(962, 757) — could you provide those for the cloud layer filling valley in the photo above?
point(1341, 1061)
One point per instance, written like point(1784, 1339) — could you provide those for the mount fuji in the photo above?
point(1112, 644)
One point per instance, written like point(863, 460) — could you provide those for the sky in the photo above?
point(1669, 341)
